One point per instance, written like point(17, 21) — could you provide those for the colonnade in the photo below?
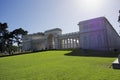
point(70, 40)
point(70, 43)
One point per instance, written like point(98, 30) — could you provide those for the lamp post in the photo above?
point(119, 17)
point(119, 22)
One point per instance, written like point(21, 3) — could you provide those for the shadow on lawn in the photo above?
point(92, 53)
point(22, 53)
point(30, 52)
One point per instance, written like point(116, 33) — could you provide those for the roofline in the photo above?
point(53, 30)
point(89, 20)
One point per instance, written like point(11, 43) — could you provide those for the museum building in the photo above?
point(93, 34)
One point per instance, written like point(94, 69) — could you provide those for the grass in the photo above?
point(58, 65)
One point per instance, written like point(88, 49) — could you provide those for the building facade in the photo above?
point(94, 34)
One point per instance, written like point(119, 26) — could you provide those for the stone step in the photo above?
point(116, 64)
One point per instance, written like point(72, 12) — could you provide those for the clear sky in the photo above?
point(40, 15)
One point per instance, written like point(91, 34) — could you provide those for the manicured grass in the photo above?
point(55, 65)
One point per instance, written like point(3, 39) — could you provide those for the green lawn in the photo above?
point(55, 65)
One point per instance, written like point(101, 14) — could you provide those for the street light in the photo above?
point(119, 17)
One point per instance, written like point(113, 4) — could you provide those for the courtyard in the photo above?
point(59, 65)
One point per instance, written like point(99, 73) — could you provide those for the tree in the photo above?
point(18, 33)
point(7, 38)
point(3, 36)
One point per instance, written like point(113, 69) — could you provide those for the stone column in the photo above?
point(78, 43)
point(46, 43)
point(73, 43)
point(67, 43)
point(60, 43)
point(63, 43)
point(70, 42)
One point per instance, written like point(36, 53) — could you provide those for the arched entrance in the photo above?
point(51, 41)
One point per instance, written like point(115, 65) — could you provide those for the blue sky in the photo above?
point(40, 15)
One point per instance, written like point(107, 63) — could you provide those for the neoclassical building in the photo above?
point(94, 34)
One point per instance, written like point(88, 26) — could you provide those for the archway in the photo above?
point(51, 41)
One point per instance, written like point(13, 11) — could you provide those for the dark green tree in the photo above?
point(17, 34)
point(7, 39)
point(3, 36)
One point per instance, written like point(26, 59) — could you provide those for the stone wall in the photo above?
point(98, 34)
